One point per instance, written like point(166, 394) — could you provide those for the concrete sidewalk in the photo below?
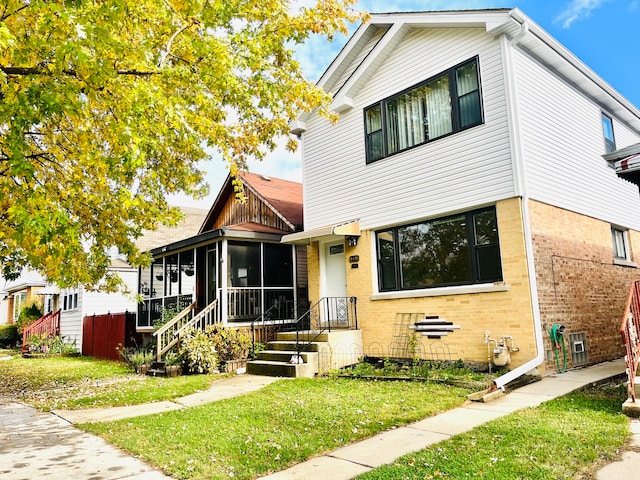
point(35, 444)
point(227, 387)
point(347, 462)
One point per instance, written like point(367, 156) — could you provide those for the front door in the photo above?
point(334, 311)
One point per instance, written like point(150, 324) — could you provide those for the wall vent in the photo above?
point(577, 342)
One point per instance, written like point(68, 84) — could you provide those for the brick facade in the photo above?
point(579, 285)
point(507, 312)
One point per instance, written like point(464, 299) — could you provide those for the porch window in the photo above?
point(244, 264)
point(447, 103)
point(456, 250)
point(260, 275)
point(169, 283)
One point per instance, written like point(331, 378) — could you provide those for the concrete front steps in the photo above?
point(321, 353)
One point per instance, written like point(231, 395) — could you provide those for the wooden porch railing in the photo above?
point(629, 330)
point(48, 324)
point(169, 334)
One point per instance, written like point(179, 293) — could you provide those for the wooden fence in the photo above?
point(101, 334)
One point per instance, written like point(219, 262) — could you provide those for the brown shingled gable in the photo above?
point(284, 195)
point(281, 198)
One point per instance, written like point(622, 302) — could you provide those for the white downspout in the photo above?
point(519, 175)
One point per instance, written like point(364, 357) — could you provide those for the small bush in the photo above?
point(230, 343)
point(135, 356)
point(8, 336)
point(48, 344)
point(199, 352)
point(28, 314)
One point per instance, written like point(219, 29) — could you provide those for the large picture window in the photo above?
point(447, 103)
point(457, 250)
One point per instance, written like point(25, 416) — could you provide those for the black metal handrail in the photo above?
point(276, 318)
point(326, 314)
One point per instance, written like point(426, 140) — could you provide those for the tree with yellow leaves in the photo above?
point(108, 106)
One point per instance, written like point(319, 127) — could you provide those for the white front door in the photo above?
point(335, 278)
point(334, 309)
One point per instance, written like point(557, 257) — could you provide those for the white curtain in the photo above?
point(438, 108)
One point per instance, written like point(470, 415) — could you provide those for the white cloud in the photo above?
point(577, 10)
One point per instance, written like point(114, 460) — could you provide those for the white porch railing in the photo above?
point(169, 334)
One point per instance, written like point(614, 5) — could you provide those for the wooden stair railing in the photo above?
point(630, 331)
point(48, 324)
point(169, 334)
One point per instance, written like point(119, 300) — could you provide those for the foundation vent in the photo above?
point(578, 345)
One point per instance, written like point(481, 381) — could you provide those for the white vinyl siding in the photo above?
point(90, 303)
point(562, 144)
point(459, 172)
point(71, 318)
point(362, 54)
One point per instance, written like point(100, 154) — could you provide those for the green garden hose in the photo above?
point(556, 338)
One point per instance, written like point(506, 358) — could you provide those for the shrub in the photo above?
point(230, 343)
point(8, 336)
point(168, 314)
point(135, 356)
point(48, 344)
point(199, 352)
point(28, 314)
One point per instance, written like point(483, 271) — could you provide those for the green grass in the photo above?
point(563, 438)
point(282, 424)
point(82, 382)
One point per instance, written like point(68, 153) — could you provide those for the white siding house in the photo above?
point(468, 159)
point(77, 303)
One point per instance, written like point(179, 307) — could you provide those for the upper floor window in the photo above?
point(447, 103)
point(609, 138)
point(457, 250)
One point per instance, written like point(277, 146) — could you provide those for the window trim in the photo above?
point(455, 110)
point(472, 249)
point(617, 260)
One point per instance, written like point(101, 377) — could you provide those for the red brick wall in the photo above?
point(578, 283)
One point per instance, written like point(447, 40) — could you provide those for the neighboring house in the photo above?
point(19, 293)
point(76, 303)
point(164, 234)
point(464, 185)
point(236, 258)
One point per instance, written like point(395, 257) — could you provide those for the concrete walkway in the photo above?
point(360, 457)
point(35, 444)
point(227, 387)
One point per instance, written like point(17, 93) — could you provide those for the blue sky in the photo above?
point(602, 33)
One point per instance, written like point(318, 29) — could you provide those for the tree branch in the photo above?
point(7, 15)
point(23, 71)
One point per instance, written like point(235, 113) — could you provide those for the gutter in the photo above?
point(521, 191)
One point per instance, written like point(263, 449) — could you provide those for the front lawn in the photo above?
point(82, 382)
point(282, 424)
point(569, 437)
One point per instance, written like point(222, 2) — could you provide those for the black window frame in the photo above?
point(393, 273)
point(454, 98)
point(609, 143)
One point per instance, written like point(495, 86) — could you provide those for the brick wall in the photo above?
point(579, 285)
